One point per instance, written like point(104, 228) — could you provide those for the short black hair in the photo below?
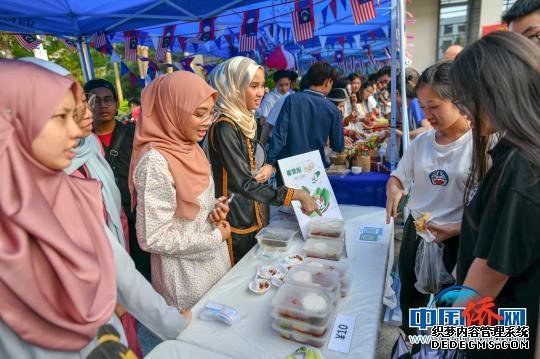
point(341, 83)
point(279, 74)
point(293, 75)
point(304, 83)
point(321, 71)
point(519, 9)
point(385, 70)
point(135, 101)
point(97, 83)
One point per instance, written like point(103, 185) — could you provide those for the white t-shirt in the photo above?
point(271, 119)
point(371, 103)
point(268, 102)
point(436, 176)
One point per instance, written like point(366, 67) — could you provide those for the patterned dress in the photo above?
point(187, 256)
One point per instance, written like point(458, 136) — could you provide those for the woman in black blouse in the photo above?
point(231, 147)
point(498, 82)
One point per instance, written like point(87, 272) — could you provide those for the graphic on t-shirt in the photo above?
point(438, 178)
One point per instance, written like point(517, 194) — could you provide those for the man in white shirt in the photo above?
point(271, 103)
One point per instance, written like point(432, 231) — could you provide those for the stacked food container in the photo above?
point(326, 238)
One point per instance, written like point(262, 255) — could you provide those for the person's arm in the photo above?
point(442, 232)
point(158, 229)
point(401, 178)
point(280, 131)
point(485, 280)
point(140, 299)
point(337, 142)
point(265, 134)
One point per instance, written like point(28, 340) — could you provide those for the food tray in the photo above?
point(324, 248)
point(311, 305)
point(321, 227)
point(301, 326)
point(275, 238)
point(300, 337)
point(314, 277)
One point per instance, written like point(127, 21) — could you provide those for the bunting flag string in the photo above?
point(333, 7)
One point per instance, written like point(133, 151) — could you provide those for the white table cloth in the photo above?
point(253, 337)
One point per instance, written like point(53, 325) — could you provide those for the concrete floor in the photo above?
point(389, 333)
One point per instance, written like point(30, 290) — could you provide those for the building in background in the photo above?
point(441, 23)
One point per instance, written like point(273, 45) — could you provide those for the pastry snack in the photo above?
point(421, 222)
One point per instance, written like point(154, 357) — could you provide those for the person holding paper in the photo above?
point(231, 148)
point(179, 220)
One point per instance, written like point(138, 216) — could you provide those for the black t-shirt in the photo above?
point(506, 211)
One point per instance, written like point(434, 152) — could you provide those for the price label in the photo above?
point(342, 332)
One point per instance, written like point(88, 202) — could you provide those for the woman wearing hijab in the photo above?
point(55, 259)
point(172, 184)
point(240, 85)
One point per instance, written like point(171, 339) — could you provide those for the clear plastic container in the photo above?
point(324, 248)
point(322, 278)
point(301, 326)
point(342, 268)
point(330, 228)
point(301, 337)
point(311, 305)
point(275, 238)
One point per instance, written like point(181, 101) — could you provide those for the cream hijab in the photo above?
point(230, 79)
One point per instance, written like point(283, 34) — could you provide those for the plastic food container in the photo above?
point(324, 248)
point(331, 228)
point(301, 326)
point(322, 278)
point(311, 305)
point(342, 268)
point(275, 238)
point(300, 337)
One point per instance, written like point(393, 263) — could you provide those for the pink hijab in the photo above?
point(167, 104)
point(57, 282)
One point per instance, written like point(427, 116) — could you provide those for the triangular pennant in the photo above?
point(155, 41)
point(344, 3)
point(115, 57)
point(333, 8)
point(322, 40)
point(324, 14)
point(123, 69)
point(218, 43)
point(182, 41)
point(195, 47)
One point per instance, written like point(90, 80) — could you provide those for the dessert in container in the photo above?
point(330, 228)
point(302, 326)
point(275, 238)
point(301, 337)
point(311, 305)
point(324, 248)
point(321, 278)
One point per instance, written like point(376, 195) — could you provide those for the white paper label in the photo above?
point(342, 333)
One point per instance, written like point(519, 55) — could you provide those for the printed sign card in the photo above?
point(307, 171)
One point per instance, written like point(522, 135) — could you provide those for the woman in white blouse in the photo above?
point(179, 220)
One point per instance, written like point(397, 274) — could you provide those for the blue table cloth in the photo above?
point(365, 189)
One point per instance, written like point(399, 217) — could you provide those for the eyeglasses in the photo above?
point(105, 101)
point(209, 117)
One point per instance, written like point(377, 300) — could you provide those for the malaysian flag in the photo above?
point(165, 42)
point(303, 20)
point(68, 43)
point(363, 10)
point(248, 33)
point(131, 40)
point(98, 40)
point(29, 42)
point(206, 31)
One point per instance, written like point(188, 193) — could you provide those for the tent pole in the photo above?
point(402, 90)
point(393, 113)
point(89, 61)
point(82, 58)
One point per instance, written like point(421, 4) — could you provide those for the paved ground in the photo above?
point(388, 333)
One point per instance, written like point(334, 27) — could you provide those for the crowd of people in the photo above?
point(131, 222)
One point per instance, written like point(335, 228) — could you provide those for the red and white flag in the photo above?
point(68, 43)
point(165, 42)
point(98, 40)
point(131, 40)
point(29, 42)
point(363, 11)
point(248, 33)
point(303, 20)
